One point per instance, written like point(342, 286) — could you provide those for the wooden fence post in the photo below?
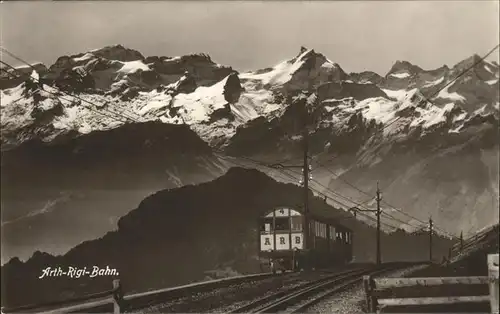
point(371, 301)
point(493, 282)
point(366, 287)
point(117, 296)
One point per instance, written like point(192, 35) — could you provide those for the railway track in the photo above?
point(292, 300)
point(210, 300)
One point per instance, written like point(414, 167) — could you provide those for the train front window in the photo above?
point(282, 224)
point(266, 226)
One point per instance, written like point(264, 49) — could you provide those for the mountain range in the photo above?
point(85, 140)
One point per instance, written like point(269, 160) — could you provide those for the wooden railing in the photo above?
point(113, 297)
point(493, 269)
point(114, 301)
point(382, 293)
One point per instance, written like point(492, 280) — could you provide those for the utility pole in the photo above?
point(306, 178)
point(305, 138)
point(378, 225)
point(305, 168)
point(461, 241)
point(430, 239)
point(377, 211)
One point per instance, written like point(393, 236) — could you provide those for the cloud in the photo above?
point(49, 206)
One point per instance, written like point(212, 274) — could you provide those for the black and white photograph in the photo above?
point(249, 156)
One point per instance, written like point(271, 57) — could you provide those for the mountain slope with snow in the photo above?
point(195, 96)
point(403, 129)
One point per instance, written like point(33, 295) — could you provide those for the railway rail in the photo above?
point(233, 295)
point(292, 300)
point(110, 301)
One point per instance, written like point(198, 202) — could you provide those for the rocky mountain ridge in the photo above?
point(215, 99)
point(363, 128)
point(187, 234)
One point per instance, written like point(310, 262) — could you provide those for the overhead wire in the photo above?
point(426, 99)
point(356, 204)
point(59, 91)
point(24, 96)
point(109, 115)
point(336, 200)
point(391, 206)
point(282, 171)
point(127, 115)
point(267, 165)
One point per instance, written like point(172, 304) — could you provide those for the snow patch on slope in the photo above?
point(444, 94)
point(456, 130)
point(154, 106)
point(33, 64)
point(435, 82)
point(16, 109)
point(396, 94)
point(400, 75)
point(379, 109)
point(197, 106)
point(259, 100)
point(431, 117)
point(460, 117)
point(8, 96)
point(84, 57)
point(133, 66)
point(489, 67)
point(243, 112)
point(481, 110)
point(281, 73)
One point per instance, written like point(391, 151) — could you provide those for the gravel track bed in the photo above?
point(351, 301)
point(205, 301)
point(260, 293)
point(222, 299)
point(228, 298)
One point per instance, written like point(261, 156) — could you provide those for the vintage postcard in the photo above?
point(249, 156)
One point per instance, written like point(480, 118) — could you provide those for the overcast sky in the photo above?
point(359, 35)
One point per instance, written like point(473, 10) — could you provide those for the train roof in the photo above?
point(285, 211)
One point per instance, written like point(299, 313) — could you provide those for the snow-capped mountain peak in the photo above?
point(306, 70)
point(217, 102)
point(404, 67)
point(406, 130)
point(115, 52)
